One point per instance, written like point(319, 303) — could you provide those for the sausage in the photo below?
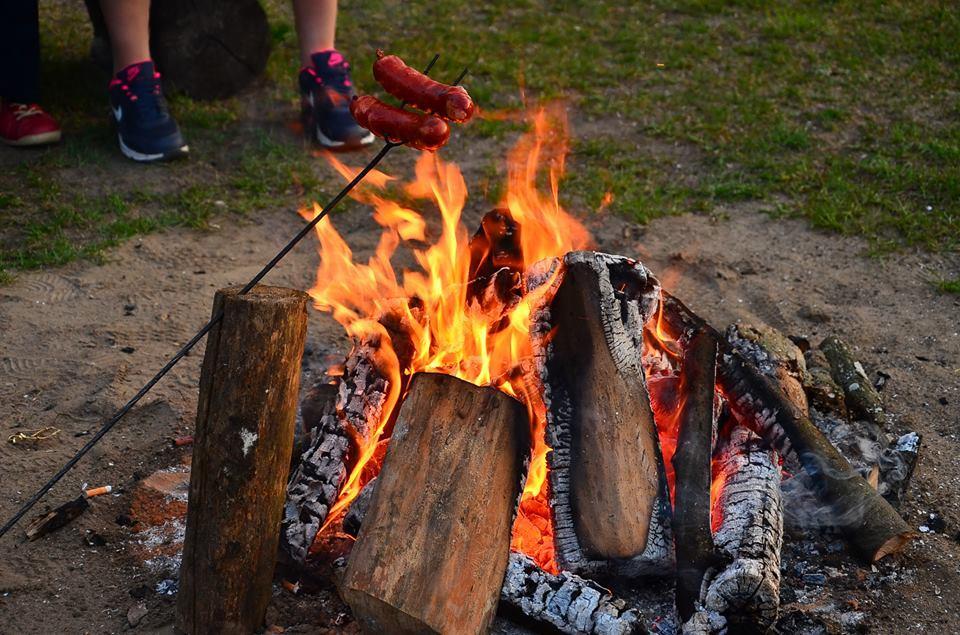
point(412, 86)
point(417, 130)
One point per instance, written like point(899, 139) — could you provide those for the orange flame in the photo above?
point(449, 331)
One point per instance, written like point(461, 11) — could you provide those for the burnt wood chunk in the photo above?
point(57, 518)
point(862, 398)
point(432, 550)
point(249, 384)
point(605, 463)
point(567, 602)
point(869, 523)
point(691, 464)
point(746, 591)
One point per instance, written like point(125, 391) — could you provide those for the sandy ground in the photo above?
point(78, 341)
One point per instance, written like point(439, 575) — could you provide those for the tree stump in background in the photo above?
point(241, 457)
point(208, 49)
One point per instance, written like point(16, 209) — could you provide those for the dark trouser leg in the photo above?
point(19, 50)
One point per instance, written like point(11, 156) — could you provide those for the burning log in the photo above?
point(870, 524)
point(319, 473)
point(605, 463)
point(244, 436)
point(862, 398)
point(747, 590)
point(433, 548)
point(567, 602)
point(691, 464)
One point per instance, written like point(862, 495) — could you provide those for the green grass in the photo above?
point(844, 114)
point(949, 286)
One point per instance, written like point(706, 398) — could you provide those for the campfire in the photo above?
point(525, 423)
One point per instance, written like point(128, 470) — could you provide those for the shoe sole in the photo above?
point(140, 157)
point(42, 139)
point(330, 144)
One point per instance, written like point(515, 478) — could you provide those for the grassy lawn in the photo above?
point(846, 114)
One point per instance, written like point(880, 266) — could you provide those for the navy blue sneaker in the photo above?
point(145, 128)
point(325, 94)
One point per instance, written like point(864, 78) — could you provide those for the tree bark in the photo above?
point(241, 455)
point(432, 550)
point(605, 463)
point(691, 464)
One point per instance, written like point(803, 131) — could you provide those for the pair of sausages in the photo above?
point(422, 131)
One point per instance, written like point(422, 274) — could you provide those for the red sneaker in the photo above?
point(27, 125)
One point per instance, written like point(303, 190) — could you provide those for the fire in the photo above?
point(451, 330)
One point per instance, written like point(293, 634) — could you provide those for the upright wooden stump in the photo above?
point(241, 456)
point(433, 548)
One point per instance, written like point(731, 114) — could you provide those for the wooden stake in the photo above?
point(433, 547)
point(244, 436)
point(691, 463)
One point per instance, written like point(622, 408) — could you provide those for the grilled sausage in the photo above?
point(420, 131)
point(412, 86)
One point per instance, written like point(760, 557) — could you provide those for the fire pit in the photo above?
point(526, 423)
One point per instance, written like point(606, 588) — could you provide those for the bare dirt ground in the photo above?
point(78, 341)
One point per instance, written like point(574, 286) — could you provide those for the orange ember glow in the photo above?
point(450, 331)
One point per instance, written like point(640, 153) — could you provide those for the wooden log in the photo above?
point(566, 602)
point(691, 464)
point(433, 548)
point(871, 526)
point(605, 466)
point(746, 590)
point(823, 393)
point(232, 38)
point(862, 398)
point(774, 355)
point(249, 384)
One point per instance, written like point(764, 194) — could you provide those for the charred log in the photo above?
point(353, 519)
point(432, 550)
point(862, 398)
point(566, 602)
point(605, 463)
point(747, 590)
point(691, 464)
point(872, 527)
point(896, 467)
point(314, 483)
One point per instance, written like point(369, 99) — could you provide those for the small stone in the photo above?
point(127, 349)
point(136, 613)
point(168, 587)
point(814, 579)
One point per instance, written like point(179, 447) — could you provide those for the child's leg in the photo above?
point(128, 22)
point(316, 26)
point(19, 51)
